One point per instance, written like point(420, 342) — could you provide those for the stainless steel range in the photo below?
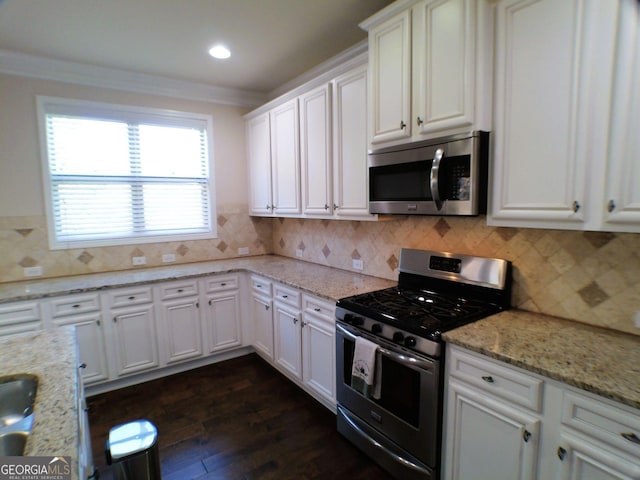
point(398, 420)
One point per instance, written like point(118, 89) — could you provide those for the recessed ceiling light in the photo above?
point(219, 51)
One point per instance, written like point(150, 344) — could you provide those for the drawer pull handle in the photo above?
point(223, 284)
point(132, 297)
point(488, 379)
point(258, 286)
point(180, 290)
point(632, 437)
point(526, 436)
point(285, 296)
point(77, 305)
point(561, 453)
point(316, 309)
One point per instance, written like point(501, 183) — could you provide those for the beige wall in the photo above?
point(23, 238)
point(590, 277)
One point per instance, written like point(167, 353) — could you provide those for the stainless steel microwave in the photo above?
point(443, 176)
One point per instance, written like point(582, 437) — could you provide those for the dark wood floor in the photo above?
point(238, 419)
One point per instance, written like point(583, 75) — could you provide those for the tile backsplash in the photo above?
point(24, 244)
point(591, 277)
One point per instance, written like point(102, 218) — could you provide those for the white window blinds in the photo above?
point(120, 175)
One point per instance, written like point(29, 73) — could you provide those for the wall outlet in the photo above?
point(243, 251)
point(139, 260)
point(299, 252)
point(358, 264)
point(33, 272)
point(169, 257)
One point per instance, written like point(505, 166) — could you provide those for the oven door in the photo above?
point(408, 411)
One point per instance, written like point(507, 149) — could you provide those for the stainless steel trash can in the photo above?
point(132, 449)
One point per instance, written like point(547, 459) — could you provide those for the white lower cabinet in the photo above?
point(287, 330)
point(505, 423)
point(179, 315)
point(84, 312)
point(220, 308)
point(133, 330)
point(262, 317)
point(319, 348)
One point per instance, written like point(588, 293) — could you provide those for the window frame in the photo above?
point(111, 111)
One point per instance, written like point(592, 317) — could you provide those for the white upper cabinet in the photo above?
point(315, 146)
point(390, 67)
point(259, 157)
point(350, 169)
point(427, 65)
point(622, 194)
point(567, 109)
point(285, 158)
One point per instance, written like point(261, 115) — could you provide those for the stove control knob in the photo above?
point(410, 342)
point(348, 317)
point(376, 328)
point(398, 337)
point(357, 321)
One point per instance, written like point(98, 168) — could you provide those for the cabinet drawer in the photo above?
point(508, 383)
point(599, 419)
point(179, 289)
point(260, 284)
point(318, 307)
point(131, 296)
point(218, 283)
point(14, 313)
point(74, 304)
point(286, 295)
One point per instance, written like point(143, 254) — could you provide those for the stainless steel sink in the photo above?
point(17, 397)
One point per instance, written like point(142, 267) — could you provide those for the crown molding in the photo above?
point(12, 63)
point(323, 68)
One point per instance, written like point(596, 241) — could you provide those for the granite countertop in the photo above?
point(594, 359)
point(330, 283)
point(51, 356)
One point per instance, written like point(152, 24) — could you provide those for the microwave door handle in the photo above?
point(435, 167)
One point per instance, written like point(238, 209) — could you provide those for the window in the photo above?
point(118, 175)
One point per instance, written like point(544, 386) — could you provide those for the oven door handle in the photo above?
point(407, 463)
point(435, 179)
point(398, 357)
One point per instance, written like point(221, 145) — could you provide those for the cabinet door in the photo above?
point(443, 34)
point(91, 345)
point(622, 197)
point(135, 339)
point(390, 75)
point(315, 148)
point(262, 323)
point(222, 322)
point(182, 331)
point(259, 153)
point(288, 342)
point(350, 169)
point(472, 417)
point(540, 140)
point(319, 359)
point(285, 157)
point(580, 459)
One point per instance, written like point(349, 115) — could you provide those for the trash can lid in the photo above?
point(131, 438)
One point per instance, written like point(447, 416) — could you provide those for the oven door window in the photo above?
point(400, 391)
point(401, 182)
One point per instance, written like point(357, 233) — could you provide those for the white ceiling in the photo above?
point(272, 41)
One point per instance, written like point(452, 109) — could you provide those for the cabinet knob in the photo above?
point(266, 307)
point(632, 437)
point(326, 207)
point(209, 302)
point(576, 206)
point(83, 365)
point(488, 379)
point(611, 206)
point(268, 207)
point(526, 436)
point(302, 324)
point(295, 320)
point(335, 207)
point(115, 319)
point(402, 125)
point(98, 322)
point(561, 453)
point(419, 120)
